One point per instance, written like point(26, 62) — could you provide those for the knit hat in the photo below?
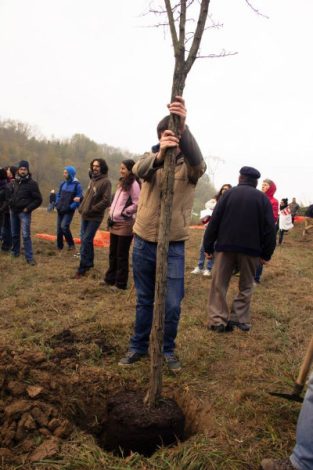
point(250, 172)
point(23, 164)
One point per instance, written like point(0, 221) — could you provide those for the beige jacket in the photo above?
point(189, 167)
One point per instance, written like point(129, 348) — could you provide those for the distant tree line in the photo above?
point(49, 157)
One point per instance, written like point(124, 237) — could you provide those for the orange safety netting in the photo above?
point(197, 227)
point(101, 239)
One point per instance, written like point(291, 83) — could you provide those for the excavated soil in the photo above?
point(44, 396)
point(133, 427)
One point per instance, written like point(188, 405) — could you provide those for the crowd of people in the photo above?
point(241, 227)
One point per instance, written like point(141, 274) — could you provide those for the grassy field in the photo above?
point(61, 339)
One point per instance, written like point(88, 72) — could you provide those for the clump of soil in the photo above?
point(133, 427)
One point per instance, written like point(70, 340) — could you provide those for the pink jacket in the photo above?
point(118, 210)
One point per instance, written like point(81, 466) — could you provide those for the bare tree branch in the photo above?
point(223, 53)
point(182, 24)
point(172, 24)
point(198, 34)
point(256, 10)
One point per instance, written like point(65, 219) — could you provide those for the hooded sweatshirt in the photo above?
point(270, 195)
point(69, 189)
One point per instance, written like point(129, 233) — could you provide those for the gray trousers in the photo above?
point(221, 275)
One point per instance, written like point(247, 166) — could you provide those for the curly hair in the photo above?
point(104, 169)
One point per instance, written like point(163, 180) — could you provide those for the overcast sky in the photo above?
point(92, 67)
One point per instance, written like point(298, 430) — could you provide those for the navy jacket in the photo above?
point(242, 222)
point(24, 194)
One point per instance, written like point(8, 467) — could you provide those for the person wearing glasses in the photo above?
point(92, 208)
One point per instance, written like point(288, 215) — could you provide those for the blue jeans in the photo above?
point(21, 223)
point(302, 455)
point(144, 266)
point(88, 232)
point(63, 229)
point(258, 272)
point(201, 260)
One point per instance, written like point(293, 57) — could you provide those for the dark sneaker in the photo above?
point(221, 328)
point(31, 262)
point(241, 326)
point(172, 362)
point(130, 358)
point(272, 464)
point(79, 274)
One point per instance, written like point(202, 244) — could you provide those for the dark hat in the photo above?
point(250, 172)
point(23, 164)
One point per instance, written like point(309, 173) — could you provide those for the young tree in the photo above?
point(184, 60)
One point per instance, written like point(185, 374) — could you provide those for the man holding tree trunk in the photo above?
point(189, 167)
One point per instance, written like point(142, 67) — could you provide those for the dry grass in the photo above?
point(225, 379)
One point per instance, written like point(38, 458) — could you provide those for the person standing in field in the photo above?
point(92, 208)
point(284, 220)
point(209, 207)
point(242, 234)
point(24, 198)
point(120, 224)
point(70, 191)
point(294, 207)
point(301, 457)
point(189, 167)
point(52, 200)
point(269, 189)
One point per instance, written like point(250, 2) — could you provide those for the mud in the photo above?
point(45, 396)
point(133, 427)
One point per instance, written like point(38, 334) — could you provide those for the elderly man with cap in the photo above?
point(242, 233)
point(24, 198)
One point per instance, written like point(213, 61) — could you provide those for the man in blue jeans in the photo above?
point(189, 167)
point(302, 454)
point(67, 200)
point(24, 197)
point(92, 208)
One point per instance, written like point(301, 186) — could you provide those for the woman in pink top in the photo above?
point(121, 221)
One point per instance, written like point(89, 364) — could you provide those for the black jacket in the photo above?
point(242, 222)
point(24, 194)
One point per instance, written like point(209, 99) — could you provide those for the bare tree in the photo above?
point(186, 42)
point(212, 164)
point(184, 60)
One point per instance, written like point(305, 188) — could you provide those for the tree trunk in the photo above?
point(157, 332)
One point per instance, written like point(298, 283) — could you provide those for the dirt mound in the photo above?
point(40, 401)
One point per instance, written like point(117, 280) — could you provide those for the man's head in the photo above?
point(23, 168)
point(294, 199)
point(249, 175)
point(99, 166)
point(163, 126)
point(69, 173)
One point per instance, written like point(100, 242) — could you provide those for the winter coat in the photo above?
point(69, 189)
point(270, 194)
point(4, 197)
point(24, 194)
point(96, 199)
point(124, 204)
point(189, 167)
point(242, 222)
